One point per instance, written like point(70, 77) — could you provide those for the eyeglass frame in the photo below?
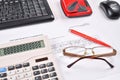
point(114, 52)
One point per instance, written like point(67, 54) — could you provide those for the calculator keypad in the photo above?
point(25, 71)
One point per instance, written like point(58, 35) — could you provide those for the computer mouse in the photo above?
point(111, 9)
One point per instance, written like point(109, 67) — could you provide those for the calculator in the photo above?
point(28, 59)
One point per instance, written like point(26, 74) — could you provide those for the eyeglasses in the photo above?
point(91, 53)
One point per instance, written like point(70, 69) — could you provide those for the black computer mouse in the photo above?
point(111, 9)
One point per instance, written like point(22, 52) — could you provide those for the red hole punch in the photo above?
point(75, 8)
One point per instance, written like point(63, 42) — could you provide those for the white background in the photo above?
point(61, 24)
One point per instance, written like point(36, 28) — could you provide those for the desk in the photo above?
point(98, 20)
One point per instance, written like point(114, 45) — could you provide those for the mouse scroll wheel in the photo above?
point(72, 6)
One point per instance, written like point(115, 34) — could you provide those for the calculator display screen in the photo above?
point(22, 47)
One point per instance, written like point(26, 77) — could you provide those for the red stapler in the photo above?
point(75, 8)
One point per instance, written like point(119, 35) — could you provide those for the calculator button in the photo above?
point(45, 76)
point(44, 71)
point(20, 76)
point(28, 79)
point(53, 74)
point(42, 66)
point(49, 64)
point(35, 67)
point(3, 69)
point(54, 79)
point(12, 78)
point(3, 75)
point(18, 66)
point(50, 69)
point(11, 67)
point(27, 69)
point(28, 74)
point(18, 71)
point(36, 72)
point(38, 78)
point(26, 64)
point(5, 79)
point(11, 72)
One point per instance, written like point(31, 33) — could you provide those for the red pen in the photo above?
point(89, 38)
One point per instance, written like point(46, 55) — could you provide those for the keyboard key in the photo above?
point(44, 11)
point(41, 3)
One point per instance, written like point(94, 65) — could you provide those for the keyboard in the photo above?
point(15, 13)
point(28, 58)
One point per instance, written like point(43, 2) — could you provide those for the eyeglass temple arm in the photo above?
point(70, 65)
point(105, 61)
point(91, 57)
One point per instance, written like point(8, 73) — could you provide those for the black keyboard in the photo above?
point(15, 13)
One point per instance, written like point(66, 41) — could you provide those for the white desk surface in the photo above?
point(61, 24)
